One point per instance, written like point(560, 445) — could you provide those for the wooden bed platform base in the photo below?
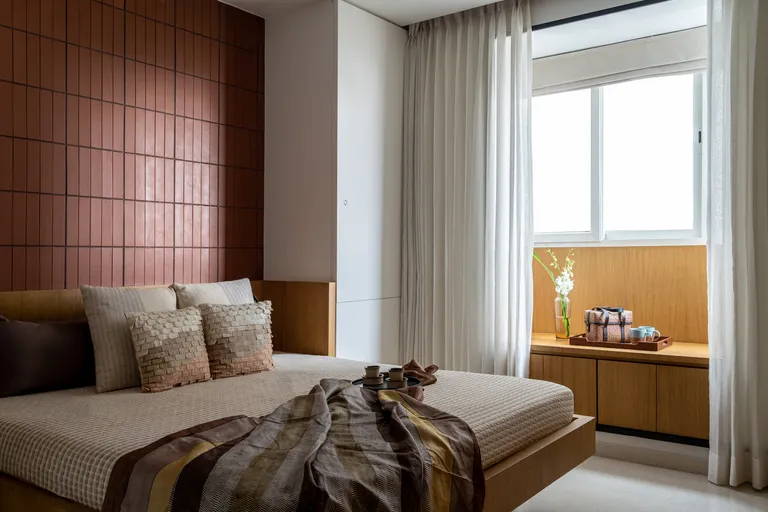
point(509, 484)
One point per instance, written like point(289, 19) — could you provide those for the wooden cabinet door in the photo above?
point(683, 401)
point(626, 395)
point(579, 375)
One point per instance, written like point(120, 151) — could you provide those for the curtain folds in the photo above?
point(738, 238)
point(467, 296)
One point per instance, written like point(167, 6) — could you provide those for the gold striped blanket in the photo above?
point(340, 448)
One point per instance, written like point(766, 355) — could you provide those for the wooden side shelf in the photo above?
point(665, 392)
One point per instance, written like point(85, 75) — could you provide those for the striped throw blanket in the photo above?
point(340, 448)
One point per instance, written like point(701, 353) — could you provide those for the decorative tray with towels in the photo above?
point(393, 379)
point(612, 327)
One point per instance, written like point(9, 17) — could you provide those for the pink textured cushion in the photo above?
point(238, 338)
point(170, 348)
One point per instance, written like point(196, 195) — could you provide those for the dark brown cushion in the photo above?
point(45, 356)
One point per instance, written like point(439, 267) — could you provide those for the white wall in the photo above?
point(370, 109)
point(300, 144)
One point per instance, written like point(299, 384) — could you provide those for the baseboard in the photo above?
point(662, 454)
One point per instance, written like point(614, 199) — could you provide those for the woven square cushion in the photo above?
point(113, 351)
point(170, 348)
point(238, 338)
point(226, 292)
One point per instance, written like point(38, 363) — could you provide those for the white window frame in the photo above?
point(598, 235)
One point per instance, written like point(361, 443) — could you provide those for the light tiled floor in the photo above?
point(606, 485)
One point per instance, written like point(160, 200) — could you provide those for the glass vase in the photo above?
point(562, 317)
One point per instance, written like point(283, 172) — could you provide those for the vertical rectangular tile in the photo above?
point(19, 57)
point(6, 54)
point(96, 173)
point(19, 110)
point(19, 268)
point(33, 60)
point(59, 169)
point(84, 172)
point(19, 220)
point(118, 224)
point(59, 220)
point(19, 164)
point(6, 108)
point(106, 223)
point(83, 121)
point(6, 212)
point(33, 166)
point(96, 26)
point(84, 266)
point(118, 175)
point(6, 163)
point(73, 176)
point(129, 255)
point(117, 267)
point(84, 222)
point(58, 281)
point(71, 267)
point(33, 268)
point(106, 268)
point(96, 75)
point(138, 267)
point(84, 72)
point(46, 268)
point(95, 221)
point(33, 113)
point(188, 226)
point(59, 128)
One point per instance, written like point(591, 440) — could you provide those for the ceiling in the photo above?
point(264, 8)
point(649, 20)
point(405, 12)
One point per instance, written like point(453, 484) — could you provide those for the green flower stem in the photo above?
point(564, 312)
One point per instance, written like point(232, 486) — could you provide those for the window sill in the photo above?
point(658, 242)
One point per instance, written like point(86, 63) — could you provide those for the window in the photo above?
point(619, 163)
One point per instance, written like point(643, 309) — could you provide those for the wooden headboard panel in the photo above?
point(303, 317)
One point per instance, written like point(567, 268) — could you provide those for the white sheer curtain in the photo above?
point(738, 240)
point(467, 218)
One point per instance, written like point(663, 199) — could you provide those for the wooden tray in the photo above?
point(660, 343)
point(410, 381)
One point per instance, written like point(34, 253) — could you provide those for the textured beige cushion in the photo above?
point(112, 347)
point(170, 348)
point(238, 338)
point(226, 292)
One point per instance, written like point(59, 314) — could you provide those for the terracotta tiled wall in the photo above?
point(131, 142)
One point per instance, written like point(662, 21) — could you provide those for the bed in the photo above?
point(58, 448)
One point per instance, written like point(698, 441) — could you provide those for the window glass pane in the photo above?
point(648, 159)
point(562, 162)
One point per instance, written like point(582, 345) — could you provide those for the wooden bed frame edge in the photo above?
point(509, 484)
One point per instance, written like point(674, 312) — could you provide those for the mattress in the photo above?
point(68, 441)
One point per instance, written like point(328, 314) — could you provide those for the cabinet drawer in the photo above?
point(626, 395)
point(579, 375)
point(683, 401)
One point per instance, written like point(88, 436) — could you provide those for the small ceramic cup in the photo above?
point(638, 334)
point(372, 371)
point(396, 374)
point(651, 331)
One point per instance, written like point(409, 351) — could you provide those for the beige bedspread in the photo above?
point(68, 441)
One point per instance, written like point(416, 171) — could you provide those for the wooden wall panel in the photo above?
point(663, 286)
point(131, 151)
